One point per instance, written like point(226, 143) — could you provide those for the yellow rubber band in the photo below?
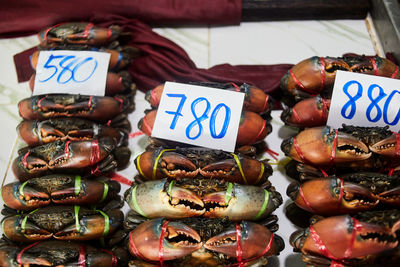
point(156, 161)
point(138, 166)
point(135, 204)
point(261, 173)
point(240, 167)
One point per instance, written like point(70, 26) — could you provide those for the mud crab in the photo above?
point(255, 99)
point(59, 253)
point(177, 199)
point(63, 223)
point(96, 108)
point(83, 33)
point(158, 162)
point(316, 75)
point(348, 239)
point(92, 156)
point(213, 242)
point(252, 128)
point(59, 189)
point(36, 132)
point(116, 83)
point(349, 193)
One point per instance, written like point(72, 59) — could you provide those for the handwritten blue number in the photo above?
point(352, 99)
point(226, 121)
point(48, 66)
point(386, 107)
point(80, 64)
point(197, 120)
point(66, 68)
point(374, 103)
point(176, 113)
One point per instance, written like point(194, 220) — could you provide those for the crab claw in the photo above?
point(390, 197)
point(314, 146)
point(15, 229)
point(80, 154)
point(242, 203)
point(329, 197)
point(310, 112)
point(154, 96)
point(32, 134)
point(344, 237)
point(238, 169)
point(27, 165)
point(157, 163)
point(92, 227)
point(179, 240)
point(255, 239)
point(387, 147)
point(23, 197)
point(155, 199)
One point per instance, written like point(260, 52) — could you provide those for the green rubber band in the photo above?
point(228, 194)
point(78, 184)
point(240, 167)
point(2, 228)
point(138, 166)
point(157, 159)
point(23, 223)
point(105, 192)
point(135, 204)
point(1, 196)
point(170, 188)
point(77, 225)
point(106, 223)
point(21, 188)
point(264, 205)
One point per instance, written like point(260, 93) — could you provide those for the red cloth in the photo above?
point(24, 17)
point(162, 60)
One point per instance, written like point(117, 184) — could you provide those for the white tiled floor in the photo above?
point(250, 43)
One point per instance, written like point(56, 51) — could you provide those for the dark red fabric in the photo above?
point(162, 60)
point(25, 17)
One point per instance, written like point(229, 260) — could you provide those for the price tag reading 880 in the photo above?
point(71, 72)
point(365, 100)
point(199, 115)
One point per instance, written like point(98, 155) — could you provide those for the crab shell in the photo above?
point(118, 60)
point(157, 163)
point(63, 223)
point(96, 108)
point(58, 189)
point(314, 147)
point(344, 238)
point(252, 128)
point(61, 157)
point(255, 99)
point(77, 33)
point(55, 253)
point(116, 83)
point(36, 132)
point(163, 198)
point(331, 196)
point(389, 147)
point(311, 112)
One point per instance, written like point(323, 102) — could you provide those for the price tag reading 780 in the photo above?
point(365, 100)
point(199, 115)
point(71, 72)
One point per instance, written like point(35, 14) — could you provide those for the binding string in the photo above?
point(113, 257)
point(19, 256)
point(82, 256)
point(94, 156)
point(322, 63)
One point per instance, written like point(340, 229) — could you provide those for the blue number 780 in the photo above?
point(176, 113)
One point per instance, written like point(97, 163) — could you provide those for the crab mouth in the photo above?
point(58, 161)
point(359, 200)
point(380, 238)
point(221, 168)
point(362, 69)
point(179, 168)
point(186, 204)
point(214, 206)
point(352, 149)
point(333, 67)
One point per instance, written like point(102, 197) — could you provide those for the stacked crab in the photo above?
point(203, 207)
point(307, 87)
point(73, 142)
point(350, 176)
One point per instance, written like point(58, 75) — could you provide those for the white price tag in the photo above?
point(71, 72)
point(199, 115)
point(365, 100)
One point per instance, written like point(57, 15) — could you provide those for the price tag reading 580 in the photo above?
point(199, 115)
point(71, 72)
point(365, 100)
